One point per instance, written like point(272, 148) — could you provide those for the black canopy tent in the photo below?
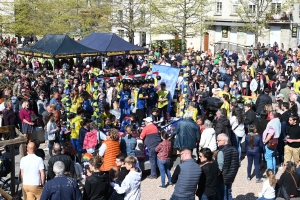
point(58, 46)
point(109, 44)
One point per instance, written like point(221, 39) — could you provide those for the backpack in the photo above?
point(5, 166)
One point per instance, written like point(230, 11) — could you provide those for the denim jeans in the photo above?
point(164, 168)
point(182, 198)
point(263, 198)
point(236, 142)
point(205, 197)
point(75, 143)
point(124, 112)
point(224, 191)
point(153, 160)
point(270, 158)
point(50, 146)
point(253, 157)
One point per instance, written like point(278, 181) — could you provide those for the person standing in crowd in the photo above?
point(51, 131)
point(249, 116)
point(292, 147)
point(141, 103)
point(237, 124)
point(163, 158)
point(263, 100)
point(125, 96)
point(207, 187)
point(9, 116)
point(163, 100)
point(25, 116)
point(128, 142)
point(33, 174)
point(208, 137)
point(109, 149)
point(58, 156)
point(151, 138)
point(75, 125)
point(131, 185)
point(61, 187)
point(54, 100)
point(97, 185)
point(272, 130)
point(187, 133)
point(254, 146)
point(222, 124)
point(186, 177)
point(228, 164)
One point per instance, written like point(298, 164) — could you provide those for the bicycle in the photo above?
point(5, 185)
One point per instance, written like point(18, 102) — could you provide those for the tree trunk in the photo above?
point(183, 34)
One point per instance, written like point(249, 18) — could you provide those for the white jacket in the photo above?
point(208, 139)
point(237, 128)
point(131, 185)
point(51, 129)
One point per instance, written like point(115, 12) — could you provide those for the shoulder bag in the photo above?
point(272, 143)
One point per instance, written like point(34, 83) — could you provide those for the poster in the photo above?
point(294, 31)
point(224, 31)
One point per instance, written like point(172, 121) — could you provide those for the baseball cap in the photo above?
point(280, 95)
point(148, 119)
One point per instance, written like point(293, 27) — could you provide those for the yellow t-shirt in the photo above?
point(104, 116)
point(75, 104)
point(296, 87)
point(75, 125)
point(226, 107)
point(162, 95)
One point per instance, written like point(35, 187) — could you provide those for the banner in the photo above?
point(294, 31)
point(224, 31)
point(169, 75)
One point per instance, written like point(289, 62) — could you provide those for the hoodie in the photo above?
point(131, 185)
point(75, 125)
point(96, 187)
point(208, 139)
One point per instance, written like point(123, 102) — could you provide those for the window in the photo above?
point(234, 7)
point(276, 6)
point(120, 15)
point(121, 33)
point(219, 7)
point(252, 8)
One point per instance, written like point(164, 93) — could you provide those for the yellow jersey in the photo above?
point(226, 107)
point(162, 95)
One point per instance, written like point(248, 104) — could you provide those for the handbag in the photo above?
point(272, 144)
point(298, 189)
point(34, 117)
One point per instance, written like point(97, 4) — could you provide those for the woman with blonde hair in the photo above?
point(268, 190)
point(109, 149)
point(25, 116)
point(269, 109)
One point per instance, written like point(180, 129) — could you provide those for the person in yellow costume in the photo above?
point(226, 104)
point(76, 100)
point(75, 125)
point(163, 100)
point(297, 85)
point(192, 108)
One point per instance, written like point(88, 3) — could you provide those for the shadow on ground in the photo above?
point(248, 196)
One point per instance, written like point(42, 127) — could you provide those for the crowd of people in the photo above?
point(92, 123)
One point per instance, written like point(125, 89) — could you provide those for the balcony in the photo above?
point(284, 18)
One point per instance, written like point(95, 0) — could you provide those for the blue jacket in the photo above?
point(258, 144)
point(128, 146)
point(188, 133)
point(54, 101)
point(227, 78)
point(126, 121)
point(87, 106)
point(61, 188)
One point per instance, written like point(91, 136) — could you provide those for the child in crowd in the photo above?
point(131, 185)
point(163, 158)
point(128, 121)
point(234, 90)
point(128, 142)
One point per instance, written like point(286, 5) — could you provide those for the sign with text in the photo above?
point(224, 31)
point(294, 31)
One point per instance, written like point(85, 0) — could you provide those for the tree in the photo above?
point(180, 17)
point(256, 14)
point(40, 17)
point(131, 15)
